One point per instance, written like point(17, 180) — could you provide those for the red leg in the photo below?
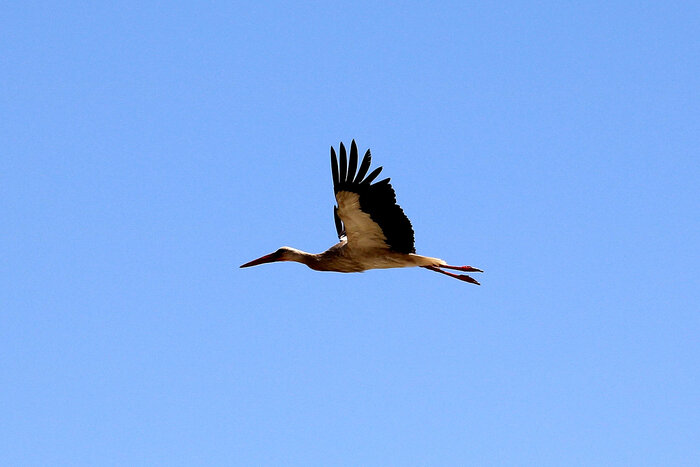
point(462, 277)
point(461, 268)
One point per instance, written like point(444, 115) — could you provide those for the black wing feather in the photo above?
point(378, 200)
point(370, 178)
point(352, 167)
point(334, 167)
point(364, 167)
point(343, 164)
point(339, 227)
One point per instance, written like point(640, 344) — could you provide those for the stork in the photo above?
point(373, 230)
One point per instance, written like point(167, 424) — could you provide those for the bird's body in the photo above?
point(373, 230)
point(341, 258)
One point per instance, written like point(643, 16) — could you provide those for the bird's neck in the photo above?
point(309, 259)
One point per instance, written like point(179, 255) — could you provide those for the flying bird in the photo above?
point(373, 230)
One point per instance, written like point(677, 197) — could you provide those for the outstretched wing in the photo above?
point(367, 213)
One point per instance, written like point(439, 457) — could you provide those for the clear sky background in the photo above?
point(149, 149)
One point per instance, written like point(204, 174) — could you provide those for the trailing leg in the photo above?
point(462, 277)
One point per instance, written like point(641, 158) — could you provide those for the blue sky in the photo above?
point(149, 149)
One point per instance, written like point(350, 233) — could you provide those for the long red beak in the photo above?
point(271, 258)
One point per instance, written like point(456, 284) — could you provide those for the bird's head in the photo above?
point(285, 253)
